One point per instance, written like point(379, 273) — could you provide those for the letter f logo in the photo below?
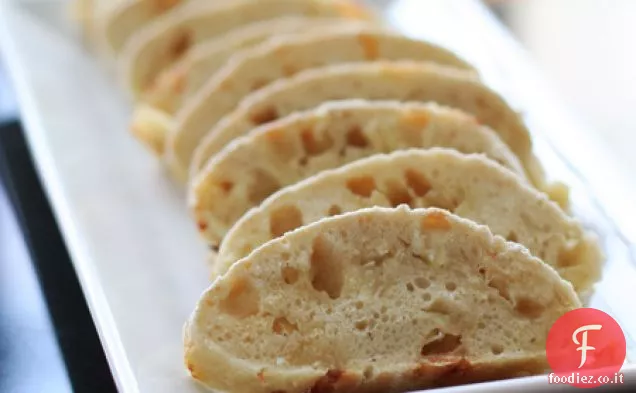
point(583, 344)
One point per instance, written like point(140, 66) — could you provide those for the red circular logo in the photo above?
point(586, 348)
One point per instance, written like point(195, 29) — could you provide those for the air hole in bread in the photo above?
point(362, 185)
point(533, 340)
point(290, 275)
point(263, 116)
point(359, 304)
point(482, 272)
point(426, 296)
point(329, 310)
point(435, 221)
point(443, 344)
point(284, 219)
point(422, 282)
point(334, 210)
point(441, 305)
point(397, 194)
point(362, 325)
point(417, 182)
point(501, 286)
point(529, 308)
point(481, 325)
point(450, 286)
point(383, 309)
point(282, 326)
point(263, 185)
point(571, 255)
point(181, 44)
point(497, 349)
point(512, 237)
point(298, 302)
point(410, 287)
point(281, 146)
point(384, 318)
point(326, 270)
point(303, 161)
point(356, 138)
point(313, 146)
point(226, 186)
point(243, 299)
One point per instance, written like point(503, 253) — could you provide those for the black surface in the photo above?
point(75, 331)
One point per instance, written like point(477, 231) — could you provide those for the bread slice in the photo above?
point(379, 300)
point(182, 80)
point(280, 58)
point(297, 147)
point(382, 80)
point(470, 186)
point(130, 16)
point(170, 38)
point(90, 16)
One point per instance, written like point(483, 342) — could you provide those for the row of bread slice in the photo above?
point(339, 150)
point(193, 88)
point(180, 67)
point(376, 300)
point(333, 283)
point(219, 124)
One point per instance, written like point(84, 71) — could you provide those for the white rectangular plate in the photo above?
point(136, 251)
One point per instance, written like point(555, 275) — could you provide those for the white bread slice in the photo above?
point(280, 58)
point(382, 80)
point(301, 145)
point(169, 38)
point(470, 186)
point(90, 15)
point(182, 80)
point(379, 300)
point(130, 16)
